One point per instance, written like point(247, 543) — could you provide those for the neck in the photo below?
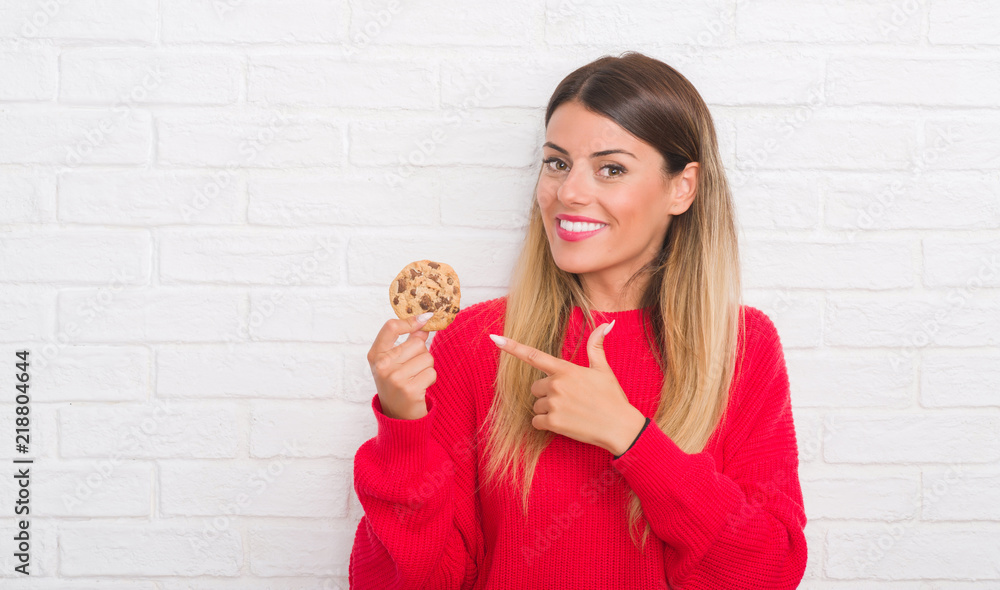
point(610, 298)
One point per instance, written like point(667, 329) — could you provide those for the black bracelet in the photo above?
point(636, 437)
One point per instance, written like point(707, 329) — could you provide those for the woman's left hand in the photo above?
point(584, 403)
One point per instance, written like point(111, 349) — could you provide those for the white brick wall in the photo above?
point(202, 202)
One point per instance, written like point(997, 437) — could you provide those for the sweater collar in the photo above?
point(628, 321)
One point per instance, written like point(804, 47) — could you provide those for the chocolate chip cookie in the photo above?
point(424, 286)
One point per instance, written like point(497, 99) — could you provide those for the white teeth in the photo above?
point(579, 226)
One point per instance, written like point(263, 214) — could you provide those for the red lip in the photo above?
point(578, 218)
point(570, 236)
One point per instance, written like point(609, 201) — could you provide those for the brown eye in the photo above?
point(614, 168)
point(556, 160)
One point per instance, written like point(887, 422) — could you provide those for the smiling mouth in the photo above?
point(579, 226)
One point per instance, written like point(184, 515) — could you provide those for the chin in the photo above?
point(573, 265)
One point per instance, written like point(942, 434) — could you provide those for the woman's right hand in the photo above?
point(402, 372)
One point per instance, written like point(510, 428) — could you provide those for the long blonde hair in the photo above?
point(693, 292)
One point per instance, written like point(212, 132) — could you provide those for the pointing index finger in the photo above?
point(534, 357)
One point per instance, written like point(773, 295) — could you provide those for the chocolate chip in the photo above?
point(426, 303)
point(413, 292)
point(451, 281)
point(409, 310)
point(414, 273)
point(433, 265)
point(395, 300)
point(401, 287)
point(434, 277)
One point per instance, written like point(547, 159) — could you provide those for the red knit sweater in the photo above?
point(729, 517)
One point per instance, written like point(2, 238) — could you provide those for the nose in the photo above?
point(575, 188)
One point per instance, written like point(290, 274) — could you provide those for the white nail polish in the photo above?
point(498, 340)
point(424, 316)
point(608, 329)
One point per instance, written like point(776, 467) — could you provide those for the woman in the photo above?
point(531, 461)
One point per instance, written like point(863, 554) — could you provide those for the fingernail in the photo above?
point(608, 329)
point(424, 317)
point(498, 340)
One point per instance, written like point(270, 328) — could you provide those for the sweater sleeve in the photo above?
point(416, 480)
point(742, 528)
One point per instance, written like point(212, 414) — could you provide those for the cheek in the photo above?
point(547, 207)
point(546, 193)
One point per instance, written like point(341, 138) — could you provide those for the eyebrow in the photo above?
point(593, 155)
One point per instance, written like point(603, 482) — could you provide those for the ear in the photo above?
point(684, 187)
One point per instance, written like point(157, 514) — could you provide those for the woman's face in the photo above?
point(605, 214)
